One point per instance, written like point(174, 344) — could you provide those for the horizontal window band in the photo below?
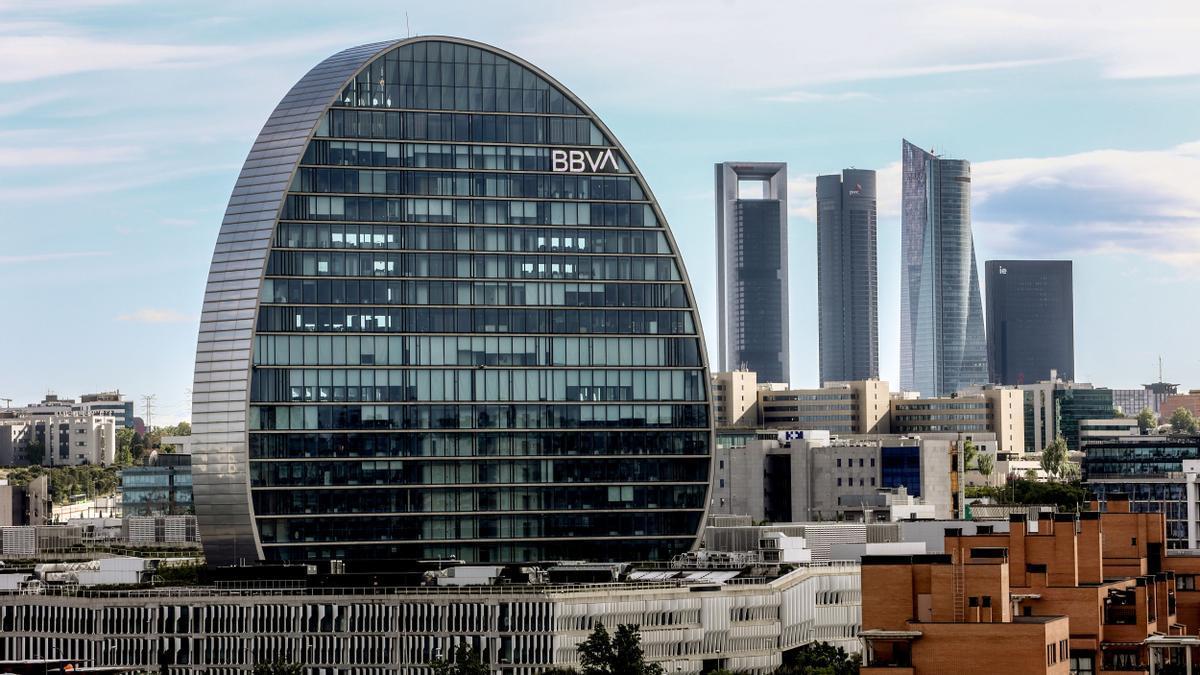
point(427, 514)
point(502, 539)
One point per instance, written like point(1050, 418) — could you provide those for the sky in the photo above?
point(123, 126)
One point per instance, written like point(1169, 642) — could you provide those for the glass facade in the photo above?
point(1150, 472)
point(752, 268)
point(1073, 405)
point(162, 487)
point(1030, 321)
point(942, 347)
point(474, 336)
point(847, 278)
point(901, 467)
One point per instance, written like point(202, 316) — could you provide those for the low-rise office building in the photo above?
point(1055, 408)
point(109, 403)
point(1154, 474)
point(161, 486)
point(1087, 593)
point(692, 620)
point(104, 404)
point(1096, 431)
point(994, 410)
point(859, 407)
point(735, 398)
point(1132, 401)
point(810, 475)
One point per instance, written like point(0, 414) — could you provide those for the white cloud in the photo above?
point(802, 194)
point(48, 257)
point(1106, 201)
point(23, 155)
point(152, 315)
point(1140, 202)
point(802, 96)
point(717, 47)
point(33, 57)
point(28, 102)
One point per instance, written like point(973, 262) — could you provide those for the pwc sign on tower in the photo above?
point(583, 161)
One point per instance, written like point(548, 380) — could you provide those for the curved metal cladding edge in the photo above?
point(221, 392)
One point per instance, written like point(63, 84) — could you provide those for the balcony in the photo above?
point(888, 651)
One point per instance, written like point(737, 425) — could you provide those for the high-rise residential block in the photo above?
point(847, 278)
point(1030, 320)
point(752, 268)
point(446, 319)
point(942, 348)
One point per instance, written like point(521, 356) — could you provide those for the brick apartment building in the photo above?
point(1085, 594)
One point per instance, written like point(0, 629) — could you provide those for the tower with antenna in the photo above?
point(1162, 388)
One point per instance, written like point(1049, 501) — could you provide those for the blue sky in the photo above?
point(124, 124)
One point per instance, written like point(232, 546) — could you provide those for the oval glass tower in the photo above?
point(446, 317)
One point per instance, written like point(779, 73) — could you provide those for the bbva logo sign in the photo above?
point(580, 161)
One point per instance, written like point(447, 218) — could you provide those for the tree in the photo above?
point(1071, 471)
point(819, 658)
point(1147, 420)
point(1183, 421)
point(986, 464)
point(970, 453)
point(278, 668)
point(465, 661)
point(1054, 457)
point(35, 452)
point(601, 654)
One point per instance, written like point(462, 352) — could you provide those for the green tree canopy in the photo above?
point(819, 658)
point(1068, 496)
point(35, 452)
point(464, 661)
point(278, 668)
point(986, 465)
point(1183, 421)
point(1147, 420)
point(970, 454)
point(1054, 458)
point(602, 654)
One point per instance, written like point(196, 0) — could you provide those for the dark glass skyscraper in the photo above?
point(1030, 320)
point(847, 280)
point(446, 317)
point(752, 269)
point(942, 346)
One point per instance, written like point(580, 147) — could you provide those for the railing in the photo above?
point(840, 566)
point(1120, 615)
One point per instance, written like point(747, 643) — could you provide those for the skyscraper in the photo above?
point(752, 282)
point(446, 318)
point(942, 346)
point(1030, 320)
point(847, 281)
